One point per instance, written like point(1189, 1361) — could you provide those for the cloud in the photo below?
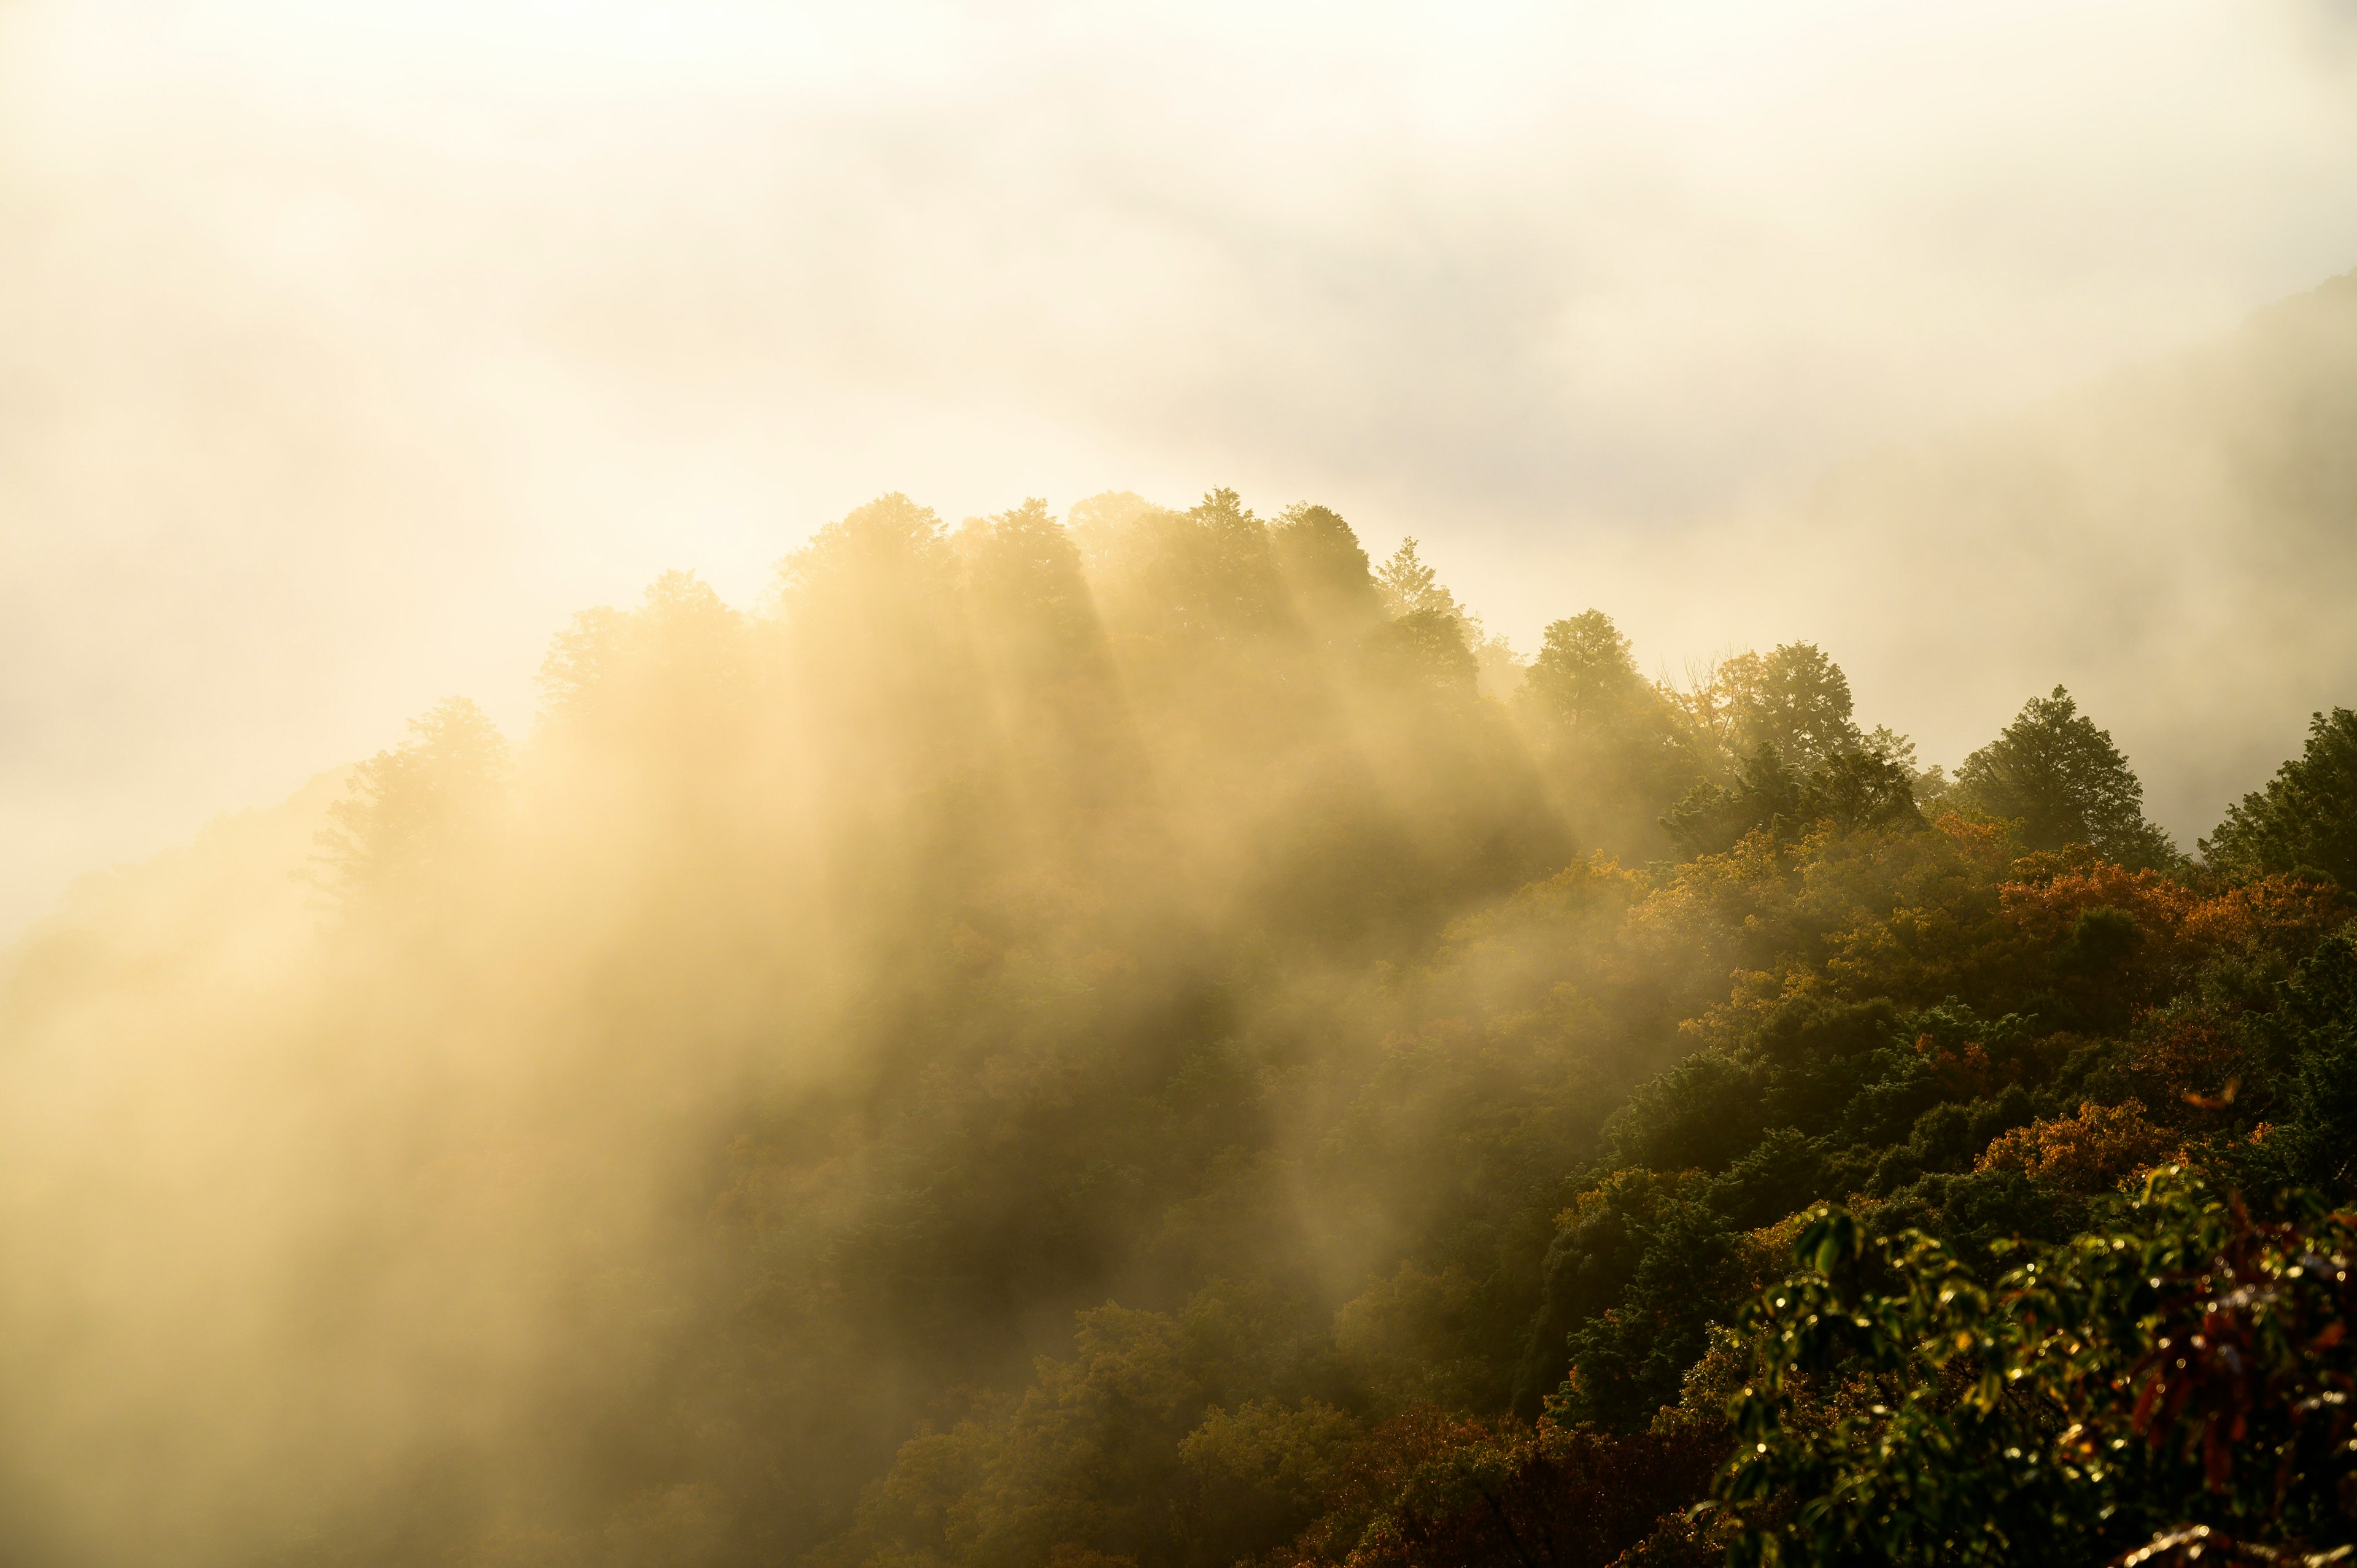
point(351, 350)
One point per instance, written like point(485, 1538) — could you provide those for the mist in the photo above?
point(1012, 787)
point(427, 327)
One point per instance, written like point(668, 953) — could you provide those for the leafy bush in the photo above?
point(2175, 1384)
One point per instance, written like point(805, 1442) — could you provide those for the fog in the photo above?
point(573, 979)
point(423, 327)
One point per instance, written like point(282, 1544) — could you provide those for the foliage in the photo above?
point(2062, 778)
point(2090, 1152)
point(2177, 1382)
point(1148, 1041)
point(429, 802)
point(1409, 587)
point(1795, 699)
point(2306, 817)
point(1565, 1495)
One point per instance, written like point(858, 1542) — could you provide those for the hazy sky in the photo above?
point(345, 350)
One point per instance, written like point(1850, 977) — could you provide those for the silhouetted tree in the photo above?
point(2306, 818)
point(2058, 775)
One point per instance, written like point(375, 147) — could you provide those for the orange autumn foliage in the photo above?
point(2086, 1152)
point(2051, 891)
point(2047, 892)
point(2282, 911)
point(2188, 1061)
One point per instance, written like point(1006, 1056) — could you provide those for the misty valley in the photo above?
point(1147, 1039)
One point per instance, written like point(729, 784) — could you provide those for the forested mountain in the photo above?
point(1147, 1039)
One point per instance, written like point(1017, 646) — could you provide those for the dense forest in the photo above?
point(1148, 1040)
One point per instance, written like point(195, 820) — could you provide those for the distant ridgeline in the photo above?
point(1147, 1043)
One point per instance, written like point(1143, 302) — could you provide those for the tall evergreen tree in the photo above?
point(1408, 584)
point(2062, 778)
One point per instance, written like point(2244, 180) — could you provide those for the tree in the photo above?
point(418, 807)
point(1498, 1496)
point(2316, 1022)
point(1610, 735)
point(1191, 580)
point(2065, 782)
point(2306, 818)
point(1501, 668)
point(2089, 1152)
point(1426, 649)
point(1584, 675)
point(1928, 785)
point(1860, 789)
point(1067, 730)
point(1628, 1360)
point(1407, 585)
point(877, 637)
point(1028, 596)
point(1321, 563)
point(1795, 699)
point(1713, 817)
point(663, 681)
point(1601, 1240)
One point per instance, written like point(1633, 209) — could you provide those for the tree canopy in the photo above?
point(1146, 1041)
point(2065, 782)
point(2306, 817)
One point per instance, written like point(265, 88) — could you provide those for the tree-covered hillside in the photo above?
point(1150, 1041)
